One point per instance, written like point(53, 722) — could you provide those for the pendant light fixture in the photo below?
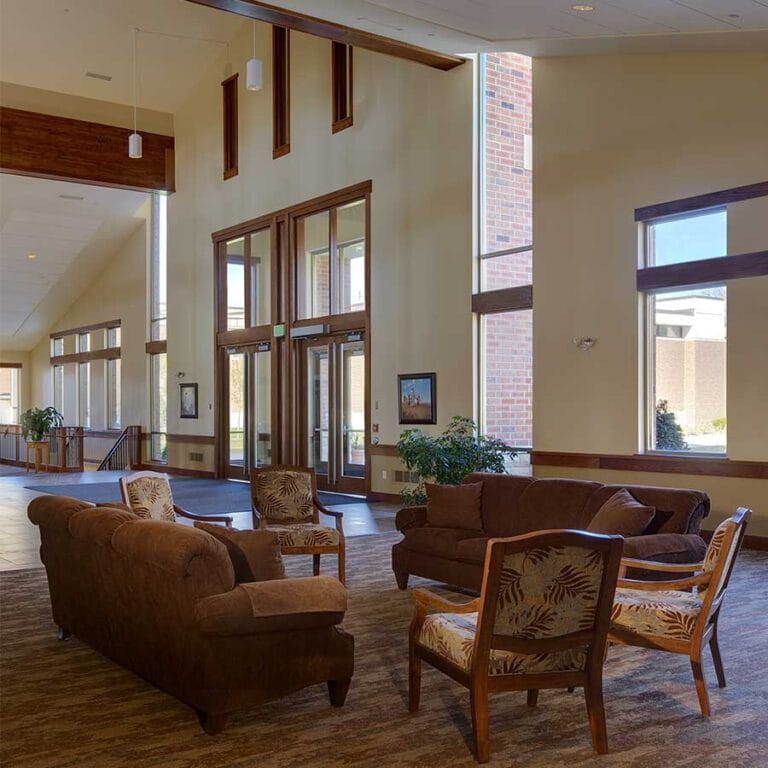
point(134, 140)
point(254, 71)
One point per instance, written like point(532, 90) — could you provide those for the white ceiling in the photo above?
point(72, 239)
point(51, 44)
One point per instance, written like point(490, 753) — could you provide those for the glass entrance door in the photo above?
point(333, 398)
point(249, 409)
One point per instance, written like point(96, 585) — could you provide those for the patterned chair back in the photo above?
point(549, 586)
point(721, 555)
point(284, 494)
point(148, 494)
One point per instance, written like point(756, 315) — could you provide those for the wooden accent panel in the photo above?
point(382, 449)
point(156, 347)
point(503, 300)
point(192, 439)
point(86, 329)
point(229, 125)
point(52, 147)
point(341, 86)
point(281, 92)
point(11, 365)
point(709, 200)
point(110, 353)
point(338, 32)
point(694, 273)
point(679, 465)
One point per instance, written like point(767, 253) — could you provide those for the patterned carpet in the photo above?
point(63, 705)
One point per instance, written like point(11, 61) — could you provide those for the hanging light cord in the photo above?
point(254, 38)
point(135, 78)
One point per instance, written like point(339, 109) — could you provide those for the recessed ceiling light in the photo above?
point(734, 15)
point(31, 255)
point(71, 197)
point(99, 76)
point(582, 7)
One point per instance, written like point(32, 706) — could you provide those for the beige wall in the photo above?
point(613, 133)
point(413, 138)
point(25, 388)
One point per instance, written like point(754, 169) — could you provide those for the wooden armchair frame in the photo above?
point(705, 629)
point(177, 510)
point(259, 521)
point(478, 680)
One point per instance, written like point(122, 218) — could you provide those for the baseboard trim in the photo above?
point(393, 498)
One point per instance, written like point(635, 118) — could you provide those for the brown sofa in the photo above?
point(513, 505)
point(160, 599)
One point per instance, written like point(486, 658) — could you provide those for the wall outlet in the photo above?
point(195, 456)
point(383, 474)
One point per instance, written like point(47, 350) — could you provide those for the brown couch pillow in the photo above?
point(255, 555)
point(455, 506)
point(622, 514)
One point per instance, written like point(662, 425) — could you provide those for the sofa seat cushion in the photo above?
point(305, 535)
point(472, 550)
point(452, 636)
point(667, 613)
point(454, 506)
point(441, 542)
point(622, 515)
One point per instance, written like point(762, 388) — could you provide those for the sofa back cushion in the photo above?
point(678, 510)
point(554, 503)
point(501, 494)
point(622, 515)
point(454, 506)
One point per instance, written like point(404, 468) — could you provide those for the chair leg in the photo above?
point(315, 565)
point(593, 694)
point(414, 680)
point(717, 659)
point(701, 686)
point(533, 697)
point(212, 723)
point(401, 577)
point(337, 691)
point(64, 634)
point(342, 563)
point(478, 698)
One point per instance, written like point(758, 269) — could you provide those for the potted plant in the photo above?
point(449, 457)
point(36, 423)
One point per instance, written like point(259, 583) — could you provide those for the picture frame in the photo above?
point(417, 398)
point(188, 401)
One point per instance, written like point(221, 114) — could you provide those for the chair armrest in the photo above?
point(430, 601)
point(653, 565)
point(338, 516)
point(203, 518)
point(700, 580)
point(410, 517)
point(279, 605)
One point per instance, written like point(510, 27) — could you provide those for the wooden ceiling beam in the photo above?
point(282, 17)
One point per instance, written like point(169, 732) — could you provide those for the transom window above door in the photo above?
point(247, 284)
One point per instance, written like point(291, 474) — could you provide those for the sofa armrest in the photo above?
point(410, 517)
point(273, 606)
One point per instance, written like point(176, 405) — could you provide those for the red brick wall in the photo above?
point(506, 196)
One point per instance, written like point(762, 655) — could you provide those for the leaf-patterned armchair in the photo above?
point(148, 494)
point(540, 622)
point(284, 500)
point(668, 616)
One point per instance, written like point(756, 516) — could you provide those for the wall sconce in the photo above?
point(584, 342)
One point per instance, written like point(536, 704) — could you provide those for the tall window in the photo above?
point(158, 268)
point(503, 302)
point(113, 393)
point(84, 394)
point(58, 387)
point(248, 266)
point(159, 405)
point(686, 338)
point(10, 378)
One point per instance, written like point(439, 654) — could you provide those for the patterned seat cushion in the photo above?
point(305, 535)
point(452, 636)
point(150, 497)
point(667, 613)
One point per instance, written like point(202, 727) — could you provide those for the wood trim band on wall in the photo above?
point(503, 300)
point(86, 329)
point(192, 439)
point(156, 347)
point(281, 91)
point(382, 449)
point(699, 202)
point(183, 471)
point(693, 273)
point(759, 543)
point(11, 365)
point(341, 86)
point(229, 125)
point(110, 353)
point(679, 465)
point(253, 9)
point(51, 147)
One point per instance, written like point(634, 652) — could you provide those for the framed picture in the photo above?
point(187, 401)
point(416, 397)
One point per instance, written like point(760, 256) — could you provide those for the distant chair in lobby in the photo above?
point(668, 616)
point(541, 621)
point(148, 494)
point(284, 499)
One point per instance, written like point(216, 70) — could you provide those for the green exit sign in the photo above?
point(278, 331)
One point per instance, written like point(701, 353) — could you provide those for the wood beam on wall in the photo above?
point(50, 147)
point(339, 33)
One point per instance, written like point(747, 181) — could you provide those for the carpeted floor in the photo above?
point(197, 495)
point(63, 705)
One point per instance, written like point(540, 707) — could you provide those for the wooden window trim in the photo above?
point(11, 365)
point(341, 87)
point(156, 347)
point(86, 329)
point(110, 353)
point(503, 300)
point(281, 92)
point(230, 126)
point(701, 202)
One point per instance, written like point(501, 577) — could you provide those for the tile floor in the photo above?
point(20, 540)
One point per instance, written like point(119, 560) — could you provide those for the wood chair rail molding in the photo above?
point(679, 465)
point(339, 33)
point(51, 147)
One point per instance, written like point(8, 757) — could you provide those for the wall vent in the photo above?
point(195, 456)
point(402, 476)
point(99, 76)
